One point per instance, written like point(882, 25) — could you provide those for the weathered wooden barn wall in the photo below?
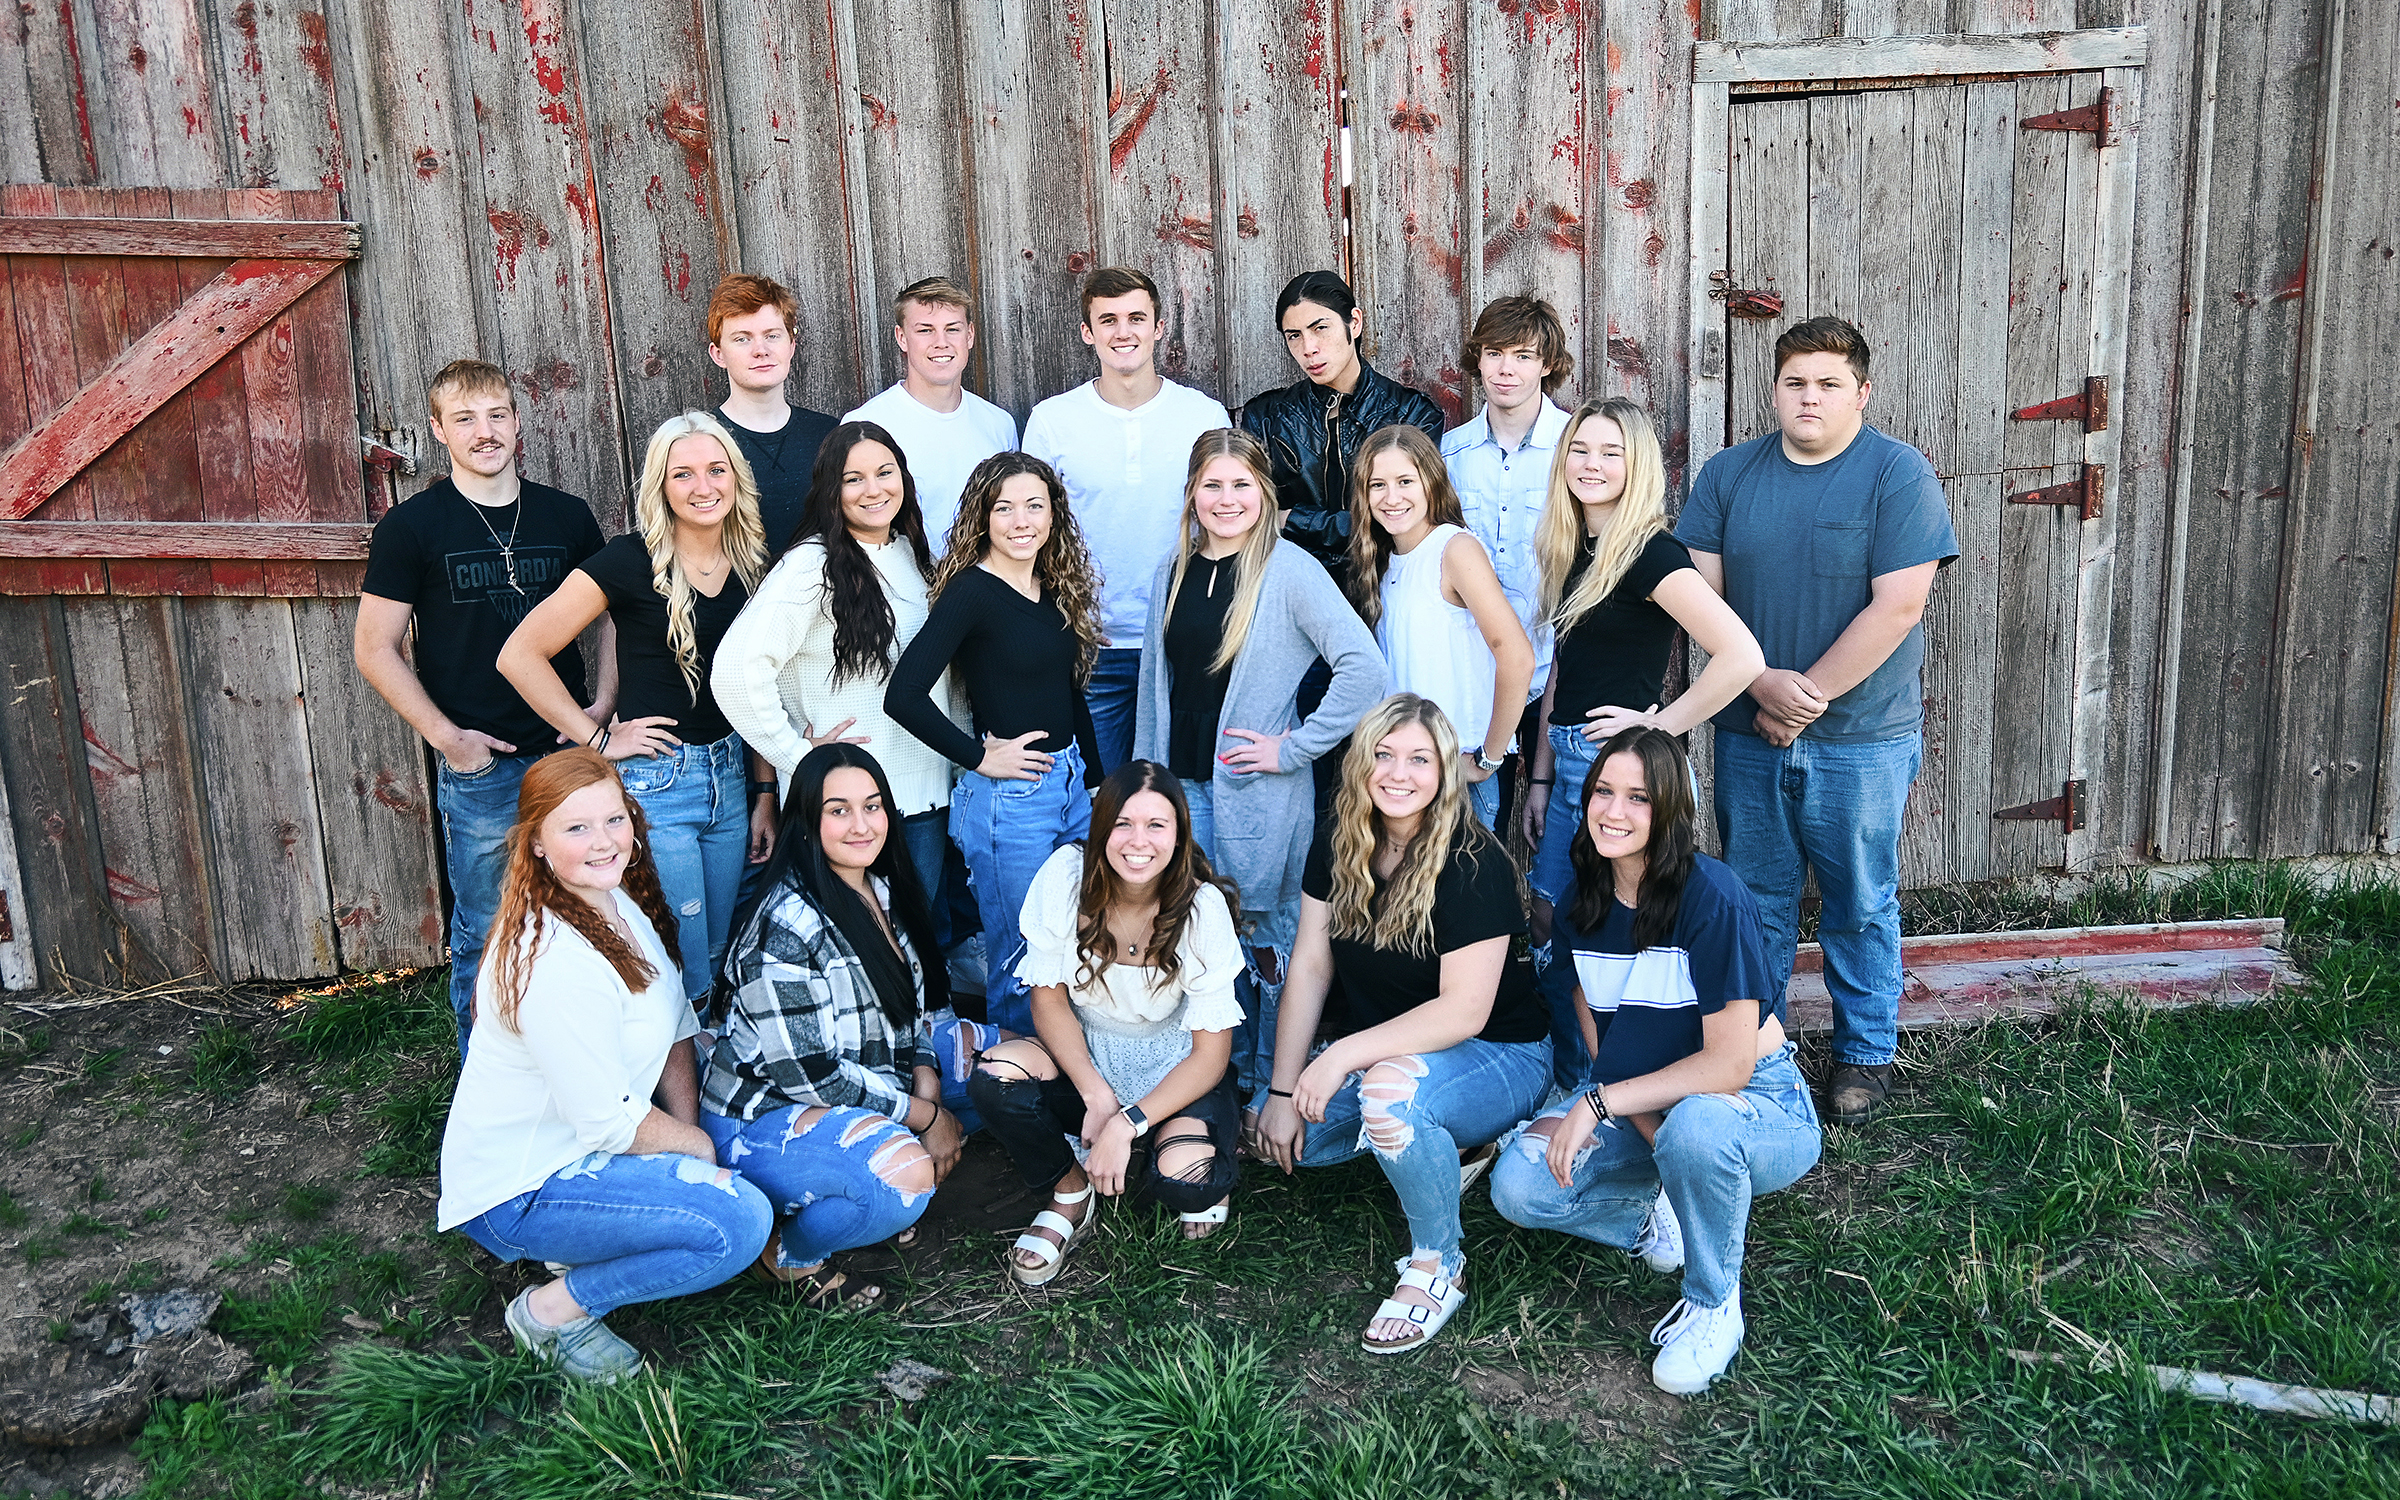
point(555, 187)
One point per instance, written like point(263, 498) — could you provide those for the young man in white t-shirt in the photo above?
point(1122, 444)
point(1499, 462)
point(944, 429)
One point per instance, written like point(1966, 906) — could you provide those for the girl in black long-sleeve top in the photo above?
point(1016, 622)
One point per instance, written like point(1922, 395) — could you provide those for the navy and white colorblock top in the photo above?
point(1649, 1003)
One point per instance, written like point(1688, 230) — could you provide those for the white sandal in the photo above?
point(1429, 1320)
point(1214, 1217)
point(1053, 1254)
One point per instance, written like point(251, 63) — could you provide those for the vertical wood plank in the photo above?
point(423, 286)
point(19, 969)
point(1641, 176)
point(785, 130)
point(158, 124)
point(653, 143)
point(274, 71)
point(161, 455)
point(45, 108)
point(1415, 232)
point(266, 842)
point(1768, 209)
point(229, 477)
point(146, 802)
point(541, 240)
point(1532, 122)
point(1709, 335)
point(372, 795)
point(915, 178)
point(49, 798)
point(1159, 205)
point(1036, 114)
point(46, 322)
point(1279, 182)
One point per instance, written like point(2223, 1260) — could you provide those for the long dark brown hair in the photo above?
point(1187, 873)
point(799, 864)
point(1370, 544)
point(863, 624)
point(531, 894)
point(1064, 565)
point(1674, 842)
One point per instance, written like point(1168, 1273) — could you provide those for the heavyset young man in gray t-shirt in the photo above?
point(1825, 537)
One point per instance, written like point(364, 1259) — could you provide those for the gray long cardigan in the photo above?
point(1264, 821)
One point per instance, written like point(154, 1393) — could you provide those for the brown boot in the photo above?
point(1859, 1091)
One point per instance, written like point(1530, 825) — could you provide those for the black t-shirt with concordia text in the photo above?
point(448, 559)
point(1474, 898)
point(781, 462)
point(649, 682)
point(1617, 653)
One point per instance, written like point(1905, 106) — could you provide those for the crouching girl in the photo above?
point(1691, 1103)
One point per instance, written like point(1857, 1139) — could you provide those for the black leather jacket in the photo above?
point(1311, 435)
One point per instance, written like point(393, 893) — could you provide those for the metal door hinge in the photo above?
point(387, 460)
point(1744, 302)
point(2066, 808)
point(2085, 493)
point(2096, 118)
point(2088, 406)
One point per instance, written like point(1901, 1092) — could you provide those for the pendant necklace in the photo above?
point(508, 549)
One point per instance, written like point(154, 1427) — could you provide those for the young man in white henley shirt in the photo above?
point(1499, 462)
point(1122, 444)
point(944, 429)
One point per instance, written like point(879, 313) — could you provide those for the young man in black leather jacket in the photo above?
point(1312, 428)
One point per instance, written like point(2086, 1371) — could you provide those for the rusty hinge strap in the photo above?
point(2086, 492)
point(2066, 808)
point(2095, 118)
point(2088, 406)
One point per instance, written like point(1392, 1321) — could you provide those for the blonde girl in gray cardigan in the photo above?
point(1236, 619)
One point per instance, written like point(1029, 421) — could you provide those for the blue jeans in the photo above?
point(1112, 692)
point(1006, 829)
point(1571, 757)
point(1834, 808)
point(1484, 798)
point(477, 812)
point(1715, 1153)
point(1275, 930)
point(632, 1228)
point(830, 1178)
point(697, 800)
point(1416, 1112)
point(927, 837)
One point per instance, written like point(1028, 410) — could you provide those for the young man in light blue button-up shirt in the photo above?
point(1499, 462)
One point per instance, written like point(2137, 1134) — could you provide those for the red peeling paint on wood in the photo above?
point(1414, 117)
point(1245, 223)
point(1120, 146)
point(686, 123)
point(1565, 231)
point(2295, 286)
point(1640, 193)
point(123, 887)
point(1312, 14)
point(106, 764)
point(546, 69)
point(1200, 234)
point(1627, 354)
point(879, 114)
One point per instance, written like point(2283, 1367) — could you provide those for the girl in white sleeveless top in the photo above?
point(1426, 585)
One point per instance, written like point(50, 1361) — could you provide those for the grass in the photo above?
point(2213, 1189)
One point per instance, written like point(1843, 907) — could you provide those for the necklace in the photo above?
point(711, 570)
point(508, 549)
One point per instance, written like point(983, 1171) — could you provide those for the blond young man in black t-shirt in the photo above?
point(462, 562)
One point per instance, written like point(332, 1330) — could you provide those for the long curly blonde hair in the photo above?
point(1250, 571)
point(745, 535)
point(1404, 921)
point(1640, 514)
point(531, 895)
point(1064, 565)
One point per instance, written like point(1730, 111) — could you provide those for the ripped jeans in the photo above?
point(1714, 1153)
point(1417, 1112)
point(632, 1228)
point(848, 1177)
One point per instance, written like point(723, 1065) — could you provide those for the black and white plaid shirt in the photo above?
point(805, 1026)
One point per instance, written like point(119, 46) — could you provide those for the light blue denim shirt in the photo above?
point(1502, 491)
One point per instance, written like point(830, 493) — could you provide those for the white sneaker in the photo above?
point(1660, 1244)
point(1695, 1345)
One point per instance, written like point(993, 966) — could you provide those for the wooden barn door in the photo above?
point(1961, 227)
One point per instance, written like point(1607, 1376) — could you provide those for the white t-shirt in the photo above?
point(574, 1077)
point(1124, 473)
point(942, 447)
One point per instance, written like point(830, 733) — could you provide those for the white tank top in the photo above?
point(1434, 647)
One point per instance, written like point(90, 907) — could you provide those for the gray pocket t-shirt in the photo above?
point(1802, 546)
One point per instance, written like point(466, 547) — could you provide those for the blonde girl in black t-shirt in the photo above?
point(1415, 906)
point(671, 586)
point(1616, 586)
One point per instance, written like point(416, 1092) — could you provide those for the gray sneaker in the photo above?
point(583, 1350)
point(1660, 1244)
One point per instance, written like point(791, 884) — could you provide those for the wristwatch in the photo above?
point(1139, 1121)
point(1482, 764)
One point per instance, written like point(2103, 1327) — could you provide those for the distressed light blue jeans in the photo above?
point(697, 799)
point(477, 812)
point(1006, 829)
point(632, 1228)
point(1715, 1153)
point(1834, 808)
point(1416, 1112)
point(1276, 930)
